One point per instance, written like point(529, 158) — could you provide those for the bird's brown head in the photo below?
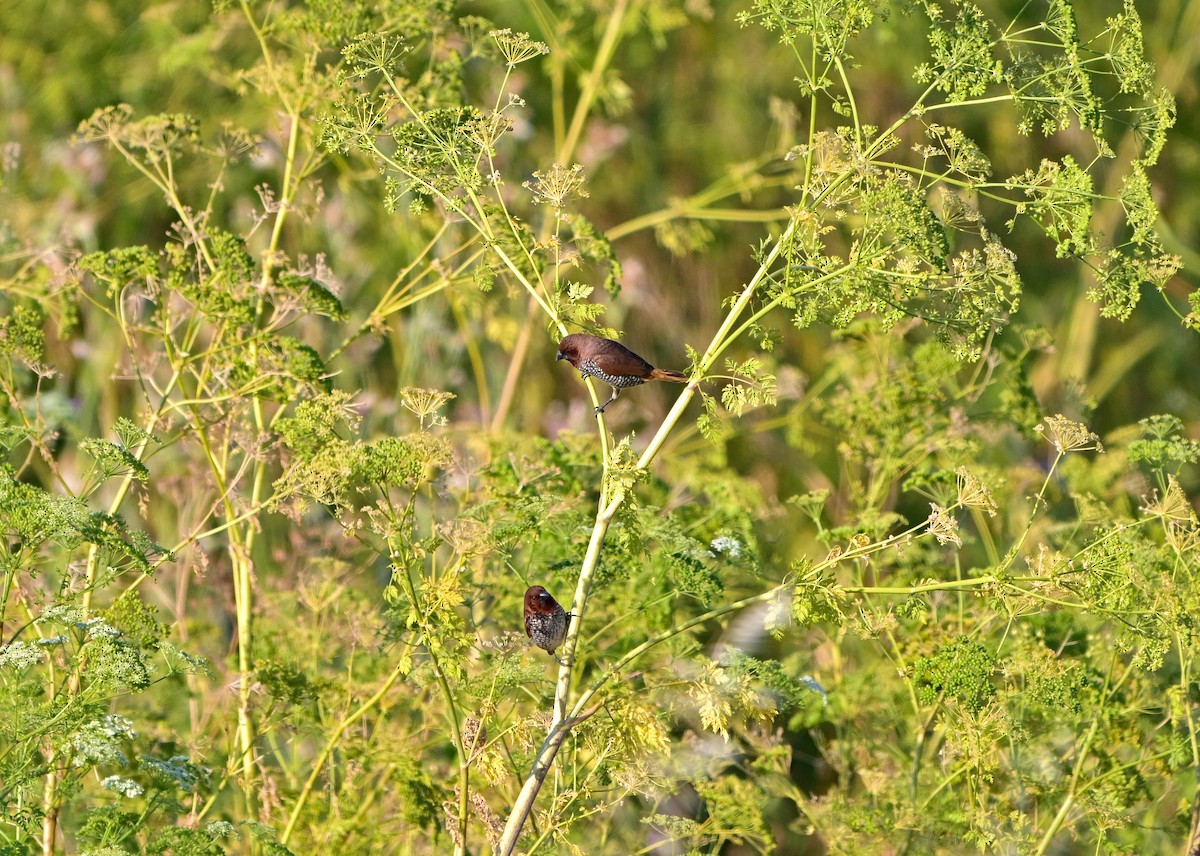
point(570, 347)
point(538, 601)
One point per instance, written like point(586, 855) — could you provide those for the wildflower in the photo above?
point(1069, 436)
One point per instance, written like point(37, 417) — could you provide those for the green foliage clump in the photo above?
point(961, 670)
point(1162, 446)
point(420, 798)
point(285, 442)
point(21, 333)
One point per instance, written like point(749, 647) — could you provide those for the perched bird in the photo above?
point(610, 362)
point(545, 620)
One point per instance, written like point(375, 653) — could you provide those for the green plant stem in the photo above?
point(1069, 800)
point(512, 377)
point(1185, 681)
point(243, 537)
point(690, 210)
point(516, 271)
point(50, 807)
point(1039, 502)
point(897, 657)
point(248, 514)
point(591, 560)
point(591, 80)
point(1084, 748)
point(586, 696)
point(849, 92)
point(331, 744)
point(556, 65)
point(533, 783)
point(609, 504)
point(50, 796)
point(719, 342)
point(401, 567)
point(698, 206)
point(476, 359)
point(241, 576)
point(564, 809)
point(971, 582)
point(480, 224)
point(770, 306)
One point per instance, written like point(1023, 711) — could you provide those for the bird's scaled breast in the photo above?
point(546, 629)
point(592, 369)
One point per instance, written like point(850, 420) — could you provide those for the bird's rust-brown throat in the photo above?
point(611, 362)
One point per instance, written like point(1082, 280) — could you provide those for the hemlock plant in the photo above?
point(284, 445)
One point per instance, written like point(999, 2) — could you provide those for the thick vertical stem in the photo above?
point(244, 607)
point(529, 791)
point(591, 560)
point(541, 766)
point(50, 808)
point(609, 504)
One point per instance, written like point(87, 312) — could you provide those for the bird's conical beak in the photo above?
point(561, 356)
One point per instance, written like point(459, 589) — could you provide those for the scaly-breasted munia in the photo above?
point(545, 620)
point(611, 362)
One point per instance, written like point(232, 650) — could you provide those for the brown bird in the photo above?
point(612, 363)
point(545, 620)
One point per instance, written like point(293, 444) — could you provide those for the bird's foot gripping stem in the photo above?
point(600, 408)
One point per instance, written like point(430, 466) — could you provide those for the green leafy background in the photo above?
point(911, 567)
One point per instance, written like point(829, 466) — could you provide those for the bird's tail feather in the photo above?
point(664, 374)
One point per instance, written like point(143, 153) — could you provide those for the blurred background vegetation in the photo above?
point(683, 145)
point(685, 110)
